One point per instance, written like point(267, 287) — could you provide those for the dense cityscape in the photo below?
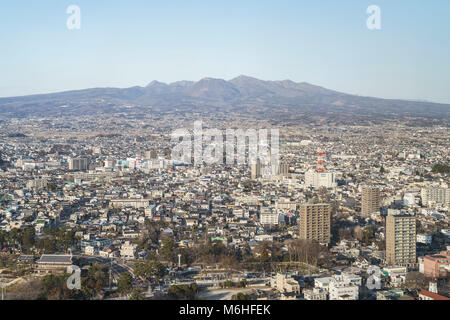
point(352, 212)
point(224, 159)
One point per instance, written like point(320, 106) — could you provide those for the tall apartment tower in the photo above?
point(371, 200)
point(255, 169)
point(315, 221)
point(401, 240)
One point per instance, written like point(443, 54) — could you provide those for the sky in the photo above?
point(124, 43)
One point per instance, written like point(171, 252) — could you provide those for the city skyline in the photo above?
point(306, 157)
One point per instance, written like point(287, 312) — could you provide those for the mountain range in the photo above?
point(242, 94)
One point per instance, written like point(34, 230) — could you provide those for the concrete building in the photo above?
point(401, 240)
point(432, 293)
point(435, 266)
point(285, 283)
point(78, 164)
point(371, 201)
point(53, 264)
point(397, 275)
point(435, 195)
point(37, 184)
point(424, 238)
point(151, 154)
point(392, 294)
point(315, 294)
point(268, 217)
point(339, 287)
point(319, 179)
point(314, 222)
point(283, 169)
point(255, 169)
point(128, 250)
point(132, 203)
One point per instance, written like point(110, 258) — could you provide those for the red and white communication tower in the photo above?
point(320, 168)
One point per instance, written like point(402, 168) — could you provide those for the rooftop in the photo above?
point(55, 258)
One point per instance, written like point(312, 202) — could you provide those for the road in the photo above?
point(222, 294)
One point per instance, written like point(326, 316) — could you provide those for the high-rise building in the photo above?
point(78, 164)
point(255, 170)
point(315, 221)
point(401, 240)
point(371, 201)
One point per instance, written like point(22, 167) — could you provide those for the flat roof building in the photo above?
point(314, 222)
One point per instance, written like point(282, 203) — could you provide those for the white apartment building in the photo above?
point(37, 184)
point(322, 283)
point(285, 283)
point(320, 179)
point(315, 294)
point(78, 164)
point(240, 212)
point(128, 250)
point(268, 217)
point(344, 288)
point(424, 238)
point(397, 275)
point(285, 204)
point(340, 287)
point(150, 211)
point(90, 250)
point(435, 195)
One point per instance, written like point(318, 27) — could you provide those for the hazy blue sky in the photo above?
point(123, 43)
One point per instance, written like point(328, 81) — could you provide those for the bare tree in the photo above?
point(30, 290)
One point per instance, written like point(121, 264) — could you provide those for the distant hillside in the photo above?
point(242, 94)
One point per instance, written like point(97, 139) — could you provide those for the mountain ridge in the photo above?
point(238, 94)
